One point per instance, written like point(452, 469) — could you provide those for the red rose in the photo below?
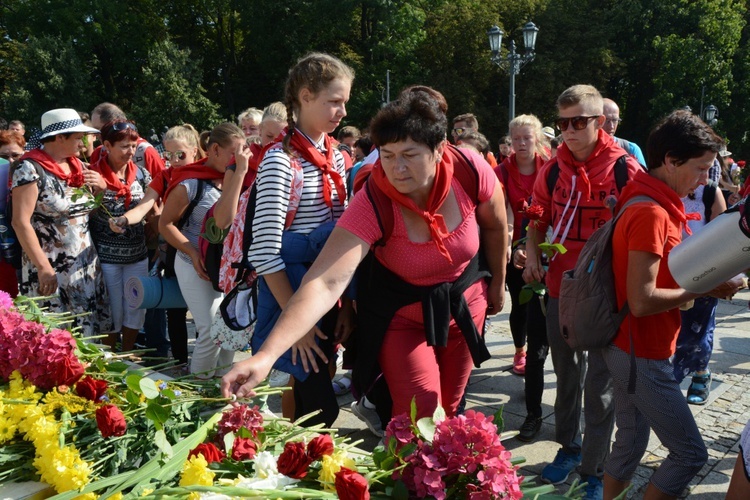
point(110, 420)
point(91, 388)
point(69, 370)
point(319, 446)
point(243, 449)
point(293, 461)
point(209, 451)
point(351, 485)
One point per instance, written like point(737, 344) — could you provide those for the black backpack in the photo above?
point(172, 251)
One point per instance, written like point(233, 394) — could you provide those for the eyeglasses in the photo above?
point(458, 130)
point(120, 126)
point(11, 156)
point(578, 122)
point(177, 155)
point(613, 121)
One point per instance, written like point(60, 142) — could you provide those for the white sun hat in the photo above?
point(63, 121)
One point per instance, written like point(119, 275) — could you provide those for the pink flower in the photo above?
point(429, 483)
point(400, 427)
point(240, 416)
point(6, 301)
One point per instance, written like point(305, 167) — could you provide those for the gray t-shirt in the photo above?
point(192, 228)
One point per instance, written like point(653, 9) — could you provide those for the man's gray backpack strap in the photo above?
point(589, 314)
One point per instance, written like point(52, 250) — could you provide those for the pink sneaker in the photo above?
point(519, 363)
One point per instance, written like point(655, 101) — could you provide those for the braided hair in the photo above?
point(314, 72)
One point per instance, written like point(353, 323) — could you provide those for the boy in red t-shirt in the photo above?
point(574, 210)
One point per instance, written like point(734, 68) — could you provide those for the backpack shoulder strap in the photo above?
point(193, 203)
point(709, 195)
point(383, 207)
point(631, 201)
point(466, 172)
point(552, 175)
point(37, 166)
point(621, 172)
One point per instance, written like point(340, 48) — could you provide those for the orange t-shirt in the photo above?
point(646, 227)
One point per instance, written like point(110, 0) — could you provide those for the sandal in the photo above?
point(342, 384)
point(699, 389)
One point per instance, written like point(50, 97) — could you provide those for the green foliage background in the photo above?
point(200, 61)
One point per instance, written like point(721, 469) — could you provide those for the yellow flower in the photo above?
point(7, 429)
point(90, 496)
point(54, 401)
point(330, 465)
point(146, 491)
point(195, 472)
point(116, 496)
point(194, 495)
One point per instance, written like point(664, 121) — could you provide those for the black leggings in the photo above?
point(178, 334)
point(536, 355)
point(514, 279)
point(316, 392)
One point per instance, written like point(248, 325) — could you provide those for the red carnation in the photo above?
point(319, 446)
point(244, 449)
point(209, 451)
point(91, 388)
point(533, 212)
point(110, 420)
point(351, 485)
point(293, 461)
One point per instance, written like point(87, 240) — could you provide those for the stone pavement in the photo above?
point(721, 420)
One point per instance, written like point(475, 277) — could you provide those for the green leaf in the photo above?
point(169, 394)
point(558, 247)
point(117, 367)
point(133, 397)
point(407, 450)
point(439, 414)
point(427, 427)
point(498, 420)
point(379, 454)
point(149, 388)
point(413, 410)
point(160, 440)
point(133, 382)
point(400, 491)
point(525, 294)
point(157, 413)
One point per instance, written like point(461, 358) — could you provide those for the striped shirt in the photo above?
point(274, 186)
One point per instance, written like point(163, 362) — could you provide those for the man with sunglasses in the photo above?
point(587, 166)
point(145, 155)
point(611, 122)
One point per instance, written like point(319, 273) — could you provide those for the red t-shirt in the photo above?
point(646, 227)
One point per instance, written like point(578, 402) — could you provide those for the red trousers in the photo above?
point(433, 375)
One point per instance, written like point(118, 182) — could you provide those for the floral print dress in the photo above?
point(62, 228)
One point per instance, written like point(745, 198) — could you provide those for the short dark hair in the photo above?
point(108, 112)
point(113, 133)
point(681, 136)
point(469, 118)
point(348, 131)
point(364, 143)
point(416, 115)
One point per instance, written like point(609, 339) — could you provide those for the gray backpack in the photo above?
point(589, 314)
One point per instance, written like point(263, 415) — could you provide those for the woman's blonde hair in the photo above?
point(536, 126)
point(186, 133)
point(275, 111)
point(222, 134)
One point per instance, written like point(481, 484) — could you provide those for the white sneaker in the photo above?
point(277, 378)
point(368, 416)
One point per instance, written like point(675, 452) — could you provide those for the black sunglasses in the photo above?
point(120, 126)
point(578, 122)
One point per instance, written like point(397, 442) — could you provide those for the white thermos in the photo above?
point(720, 251)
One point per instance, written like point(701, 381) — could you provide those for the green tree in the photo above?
point(48, 75)
point(173, 91)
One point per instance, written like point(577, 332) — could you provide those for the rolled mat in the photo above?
point(146, 292)
point(715, 254)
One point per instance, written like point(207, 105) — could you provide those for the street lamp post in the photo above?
point(710, 115)
point(513, 61)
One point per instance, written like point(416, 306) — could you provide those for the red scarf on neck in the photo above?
point(511, 165)
point(113, 181)
point(645, 184)
point(309, 152)
point(197, 170)
point(603, 154)
point(439, 192)
point(73, 179)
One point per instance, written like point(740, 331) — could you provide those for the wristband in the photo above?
point(232, 167)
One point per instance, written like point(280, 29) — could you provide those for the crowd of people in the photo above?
point(397, 244)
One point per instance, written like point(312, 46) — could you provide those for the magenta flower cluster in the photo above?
point(464, 460)
point(239, 416)
point(46, 359)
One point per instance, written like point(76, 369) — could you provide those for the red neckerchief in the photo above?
point(73, 179)
point(197, 170)
point(603, 154)
point(645, 184)
point(439, 192)
point(113, 181)
point(511, 165)
point(309, 152)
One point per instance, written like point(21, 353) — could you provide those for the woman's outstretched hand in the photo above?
point(246, 375)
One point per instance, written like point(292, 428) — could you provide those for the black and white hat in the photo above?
point(63, 121)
